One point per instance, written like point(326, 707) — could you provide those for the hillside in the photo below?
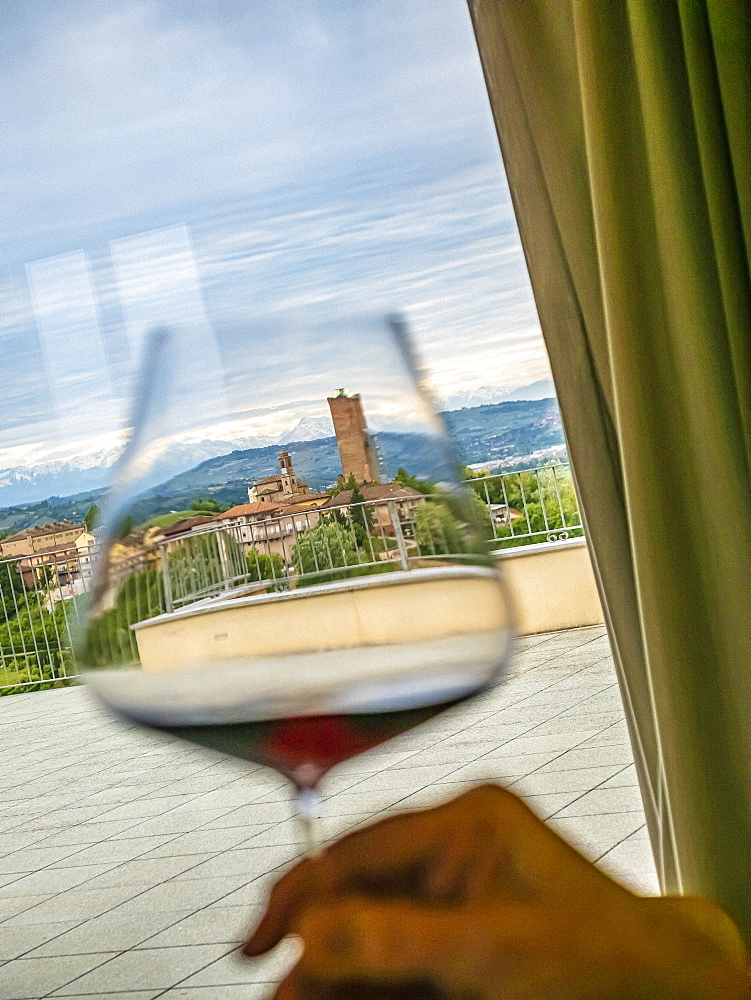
point(508, 432)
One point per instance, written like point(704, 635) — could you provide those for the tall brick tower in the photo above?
point(355, 448)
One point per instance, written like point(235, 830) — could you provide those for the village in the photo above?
point(280, 508)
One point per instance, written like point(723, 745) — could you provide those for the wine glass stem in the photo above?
point(308, 801)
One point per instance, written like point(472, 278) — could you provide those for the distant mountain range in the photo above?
point(487, 395)
point(499, 433)
point(308, 429)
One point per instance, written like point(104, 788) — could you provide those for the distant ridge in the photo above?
point(487, 395)
point(505, 432)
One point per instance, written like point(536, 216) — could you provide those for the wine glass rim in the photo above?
point(395, 578)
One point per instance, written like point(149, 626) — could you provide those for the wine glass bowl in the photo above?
point(317, 617)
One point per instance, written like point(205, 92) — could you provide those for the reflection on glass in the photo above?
point(309, 602)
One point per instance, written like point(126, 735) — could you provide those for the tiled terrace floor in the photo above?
point(132, 865)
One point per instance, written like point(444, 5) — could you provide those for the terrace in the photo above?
point(133, 864)
point(531, 518)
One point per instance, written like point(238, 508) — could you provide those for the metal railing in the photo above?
point(40, 610)
point(276, 553)
point(41, 596)
point(530, 505)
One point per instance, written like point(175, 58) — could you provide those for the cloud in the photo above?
point(333, 164)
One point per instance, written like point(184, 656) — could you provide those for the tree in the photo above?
point(437, 531)
point(361, 515)
point(209, 506)
point(34, 643)
point(265, 567)
point(325, 547)
point(125, 527)
point(404, 478)
point(11, 589)
point(92, 516)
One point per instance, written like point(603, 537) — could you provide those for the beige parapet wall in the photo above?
point(552, 586)
point(416, 606)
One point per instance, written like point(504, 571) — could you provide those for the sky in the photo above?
point(264, 179)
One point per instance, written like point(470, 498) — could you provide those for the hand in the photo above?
point(479, 900)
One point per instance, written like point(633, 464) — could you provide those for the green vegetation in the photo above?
point(209, 506)
point(34, 641)
point(425, 486)
point(92, 516)
point(263, 567)
point(126, 526)
point(109, 638)
point(549, 498)
point(196, 566)
point(332, 551)
point(452, 524)
point(197, 508)
point(436, 530)
point(167, 520)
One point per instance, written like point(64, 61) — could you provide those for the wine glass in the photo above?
point(299, 602)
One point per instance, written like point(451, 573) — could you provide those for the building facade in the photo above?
point(57, 535)
point(378, 497)
point(283, 487)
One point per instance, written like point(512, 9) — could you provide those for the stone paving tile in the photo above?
point(127, 929)
point(497, 768)
point(251, 815)
point(138, 995)
point(626, 776)
point(153, 969)
point(590, 757)
point(76, 904)
point(12, 906)
point(216, 924)
point(114, 852)
point(241, 862)
point(605, 800)
point(189, 894)
point(33, 858)
point(156, 855)
point(52, 880)
point(630, 862)
point(594, 836)
point(203, 842)
point(18, 940)
point(580, 780)
point(30, 978)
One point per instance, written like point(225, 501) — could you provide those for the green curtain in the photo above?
point(625, 129)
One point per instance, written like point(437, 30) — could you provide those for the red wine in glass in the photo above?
point(310, 623)
point(304, 713)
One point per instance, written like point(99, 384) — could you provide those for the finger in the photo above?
point(375, 859)
point(305, 881)
point(427, 855)
point(393, 943)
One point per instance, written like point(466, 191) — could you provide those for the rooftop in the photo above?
point(45, 529)
point(180, 527)
point(276, 477)
point(245, 509)
point(377, 491)
point(133, 864)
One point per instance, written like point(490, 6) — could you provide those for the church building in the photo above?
point(283, 487)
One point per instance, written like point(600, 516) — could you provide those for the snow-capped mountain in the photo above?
point(308, 429)
point(483, 395)
point(78, 473)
